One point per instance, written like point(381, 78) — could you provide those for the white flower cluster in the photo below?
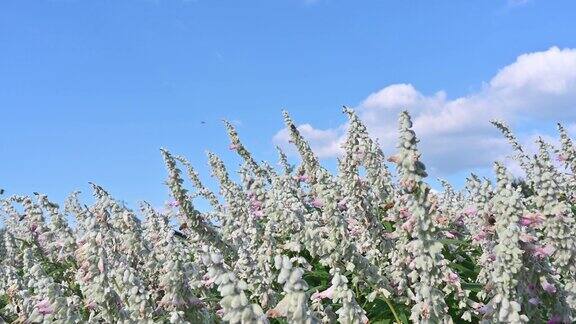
point(300, 244)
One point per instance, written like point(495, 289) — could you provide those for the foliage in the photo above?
point(300, 244)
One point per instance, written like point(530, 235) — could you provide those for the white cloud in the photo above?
point(325, 143)
point(537, 89)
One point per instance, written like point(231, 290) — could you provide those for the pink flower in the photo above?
point(459, 221)
point(86, 277)
point(532, 219)
point(354, 227)
point(548, 287)
point(404, 213)
point(470, 211)
point(391, 235)
point(233, 147)
point(279, 311)
point(101, 265)
point(561, 158)
point(91, 305)
point(408, 184)
point(483, 309)
point(542, 252)
point(352, 222)
point(328, 293)
point(408, 226)
point(525, 222)
point(411, 264)
point(44, 307)
point(173, 203)
point(316, 202)
point(255, 203)
point(207, 281)
point(449, 235)
point(527, 238)
point(481, 236)
point(452, 278)
point(342, 204)
point(302, 177)
point(355, 231)
point(556, 319)
point(258, 214)
point(85, 265)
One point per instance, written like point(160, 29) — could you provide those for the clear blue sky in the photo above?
point(91, 89)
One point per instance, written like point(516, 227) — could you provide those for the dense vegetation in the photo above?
point(300, 244)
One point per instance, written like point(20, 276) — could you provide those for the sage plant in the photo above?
point(368, 242)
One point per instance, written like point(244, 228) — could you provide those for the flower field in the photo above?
point(371, 242)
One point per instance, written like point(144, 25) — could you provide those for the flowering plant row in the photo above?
point(299, 244)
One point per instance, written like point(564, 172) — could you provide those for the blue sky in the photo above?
point(90, 90)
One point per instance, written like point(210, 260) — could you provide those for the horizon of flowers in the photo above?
point(300, 244)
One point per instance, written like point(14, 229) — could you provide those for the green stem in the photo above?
point(392, 309)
